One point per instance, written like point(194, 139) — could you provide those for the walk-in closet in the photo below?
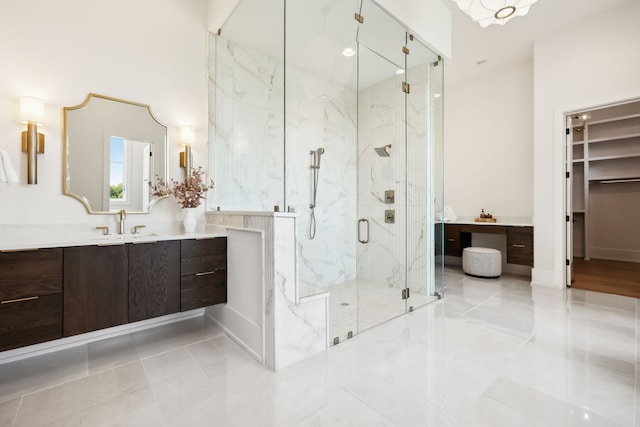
point(605, 198)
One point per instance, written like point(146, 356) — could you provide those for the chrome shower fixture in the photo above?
point(383, 151)
point(315, 171)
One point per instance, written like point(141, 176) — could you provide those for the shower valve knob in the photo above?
point(389, 196)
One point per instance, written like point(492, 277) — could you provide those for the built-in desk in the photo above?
point(457, 236)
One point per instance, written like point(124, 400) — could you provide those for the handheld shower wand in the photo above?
point(319, 153)
point(315, 171)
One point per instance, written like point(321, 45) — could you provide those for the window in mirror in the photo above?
point(116, 170)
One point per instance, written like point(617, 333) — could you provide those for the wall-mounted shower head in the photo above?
point(383, 151)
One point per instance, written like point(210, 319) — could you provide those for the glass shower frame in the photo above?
point(275, 107)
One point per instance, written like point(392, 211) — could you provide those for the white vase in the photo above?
point(189, 220)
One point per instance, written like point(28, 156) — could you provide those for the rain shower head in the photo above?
point(383, 151)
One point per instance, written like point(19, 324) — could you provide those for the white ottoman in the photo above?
point(482, 262)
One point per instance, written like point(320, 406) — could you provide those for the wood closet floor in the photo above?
point(612, 277)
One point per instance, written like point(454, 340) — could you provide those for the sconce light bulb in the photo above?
point(187, 135)
point(31, 110)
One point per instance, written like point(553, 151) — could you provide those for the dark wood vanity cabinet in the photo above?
point(520, 245)
point(31, 297)
point(95, 288)
point(519, 240)
point(452, 240)
point(455, 240)
point(48, 294)
point(203, 270)
point(154, 279)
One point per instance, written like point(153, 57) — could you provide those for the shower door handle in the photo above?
point(360, 239)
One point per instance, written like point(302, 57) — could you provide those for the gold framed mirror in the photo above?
point(112, 149)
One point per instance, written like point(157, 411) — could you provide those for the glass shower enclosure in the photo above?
point(334, 110)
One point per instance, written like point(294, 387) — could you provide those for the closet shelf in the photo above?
point(613, 138)
point(614, 157)
point(614, 119)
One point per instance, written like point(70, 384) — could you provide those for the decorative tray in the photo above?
point(484, 219)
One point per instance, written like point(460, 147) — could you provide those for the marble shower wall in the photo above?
point(397, 253)
point(249, 128)
point(322, 114)
point(250, 170)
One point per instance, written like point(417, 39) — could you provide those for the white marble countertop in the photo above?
point(24, 237)
point(254, 213)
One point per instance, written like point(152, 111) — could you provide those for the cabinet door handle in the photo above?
point(515, 245)
point(10, 301)
point(451, 240)
point(206, 273)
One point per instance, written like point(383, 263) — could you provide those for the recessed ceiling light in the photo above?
point(348, 51)
point(399, 71)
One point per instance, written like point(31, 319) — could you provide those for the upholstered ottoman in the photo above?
point(482, 262)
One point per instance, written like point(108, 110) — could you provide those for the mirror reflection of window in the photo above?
point(117, 177)
point(130, 168)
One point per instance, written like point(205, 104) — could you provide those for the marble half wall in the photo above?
point(293, 327)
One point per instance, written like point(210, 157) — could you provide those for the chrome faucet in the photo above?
point(123, 215)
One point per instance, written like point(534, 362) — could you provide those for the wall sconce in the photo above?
point(187, 138)
point(32, 113)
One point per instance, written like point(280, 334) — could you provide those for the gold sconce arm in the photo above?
point(32, 113)
point(32, 144)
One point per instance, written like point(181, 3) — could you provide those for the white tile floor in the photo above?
point(491, 353)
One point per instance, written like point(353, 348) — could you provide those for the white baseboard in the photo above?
point(614, 254)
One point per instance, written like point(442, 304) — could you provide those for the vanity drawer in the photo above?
point(203, 290)
point(30, 273)
point(452, 240)
point(30, 321)
point(201, 256)
point(520, 245)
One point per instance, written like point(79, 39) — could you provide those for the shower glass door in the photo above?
point(382, 184)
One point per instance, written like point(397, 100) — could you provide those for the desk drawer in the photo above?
point(452, 240)
point(520, 245)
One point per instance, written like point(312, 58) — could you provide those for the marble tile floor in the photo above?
point(492, 352)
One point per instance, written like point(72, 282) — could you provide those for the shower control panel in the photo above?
point(390, 216)
point(389, 196)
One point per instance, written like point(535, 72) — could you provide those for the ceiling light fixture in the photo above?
point(488, 12)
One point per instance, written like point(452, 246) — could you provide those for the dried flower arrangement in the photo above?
point(189, 193)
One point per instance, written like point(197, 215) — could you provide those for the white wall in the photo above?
point(489, 143)
point(591, 63)
point(430, 20)
point(148, 51)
